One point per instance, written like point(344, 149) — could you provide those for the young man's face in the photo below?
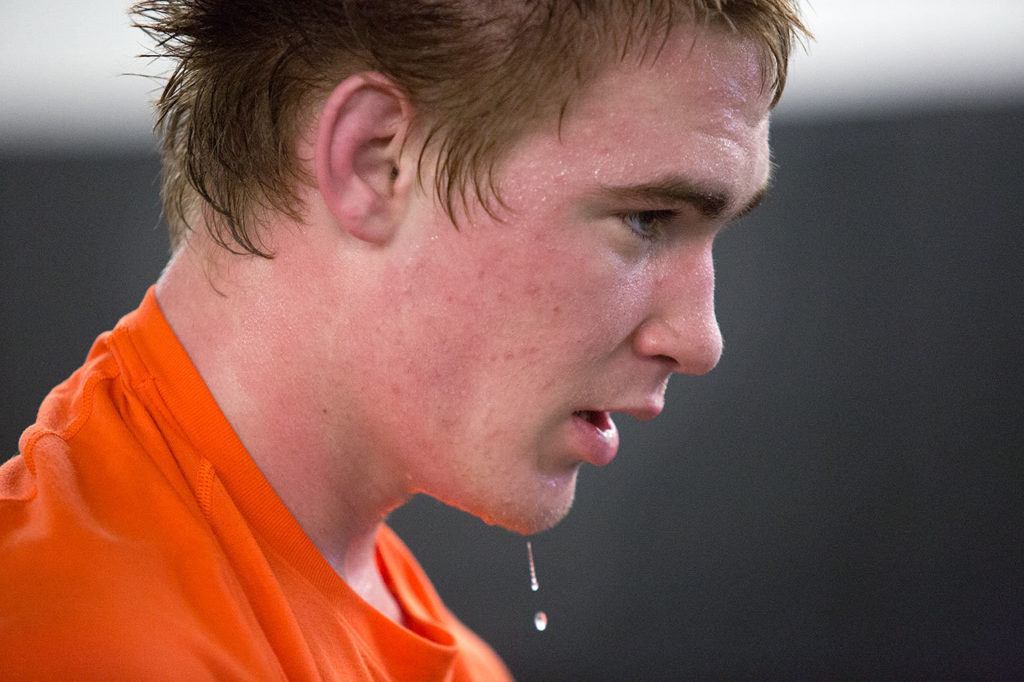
point(504, 344)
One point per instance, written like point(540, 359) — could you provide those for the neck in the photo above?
point(237, 318)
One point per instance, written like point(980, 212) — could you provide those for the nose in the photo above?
point(681, 327)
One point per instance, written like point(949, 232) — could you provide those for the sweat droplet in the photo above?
point(541, 621)
point(534, 585)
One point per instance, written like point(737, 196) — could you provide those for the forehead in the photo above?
point(698, 108)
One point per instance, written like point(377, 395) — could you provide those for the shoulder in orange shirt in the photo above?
point(139, 541)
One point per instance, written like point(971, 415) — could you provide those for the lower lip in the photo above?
point(594, 445)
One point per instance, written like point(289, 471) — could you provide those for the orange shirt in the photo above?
point(138, 540)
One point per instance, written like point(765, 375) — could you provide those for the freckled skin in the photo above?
point(492, 335)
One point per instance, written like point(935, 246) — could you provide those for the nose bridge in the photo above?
point(686, 309)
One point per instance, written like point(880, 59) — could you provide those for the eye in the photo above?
point(648, 225)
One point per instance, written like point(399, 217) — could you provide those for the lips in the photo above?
point(596, 438)
point(602, 421)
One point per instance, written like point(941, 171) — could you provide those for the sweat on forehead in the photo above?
point(479, 75)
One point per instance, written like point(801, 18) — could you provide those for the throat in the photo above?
point(388, 604)
point(373, 588)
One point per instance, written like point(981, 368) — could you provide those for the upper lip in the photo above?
point(644, 410)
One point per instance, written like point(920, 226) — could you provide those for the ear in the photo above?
point(360, 134)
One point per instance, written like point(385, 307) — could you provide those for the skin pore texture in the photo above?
point(383, 352)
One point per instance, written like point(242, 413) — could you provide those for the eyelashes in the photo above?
point(648, 225)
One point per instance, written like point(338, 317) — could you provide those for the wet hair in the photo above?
point(247, 75)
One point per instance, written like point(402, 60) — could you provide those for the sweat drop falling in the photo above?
point(540, 619)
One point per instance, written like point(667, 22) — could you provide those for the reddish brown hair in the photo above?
point(479, 75)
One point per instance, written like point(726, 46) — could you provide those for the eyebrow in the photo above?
point(710, 203)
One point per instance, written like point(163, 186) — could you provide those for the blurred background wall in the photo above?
point(843, 496)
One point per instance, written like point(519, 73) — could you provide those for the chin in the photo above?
point(523, 514)
point(534, 524)
point(522, 502)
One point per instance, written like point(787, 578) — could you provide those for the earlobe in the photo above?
point(362, 128)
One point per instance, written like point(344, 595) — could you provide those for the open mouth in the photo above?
point(599, 420)
point(596, 439)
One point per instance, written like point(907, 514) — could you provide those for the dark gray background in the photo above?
point(842, 496)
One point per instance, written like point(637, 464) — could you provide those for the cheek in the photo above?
point(514, 300)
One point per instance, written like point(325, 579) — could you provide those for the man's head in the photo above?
point(478, 74)
point(471, 282)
